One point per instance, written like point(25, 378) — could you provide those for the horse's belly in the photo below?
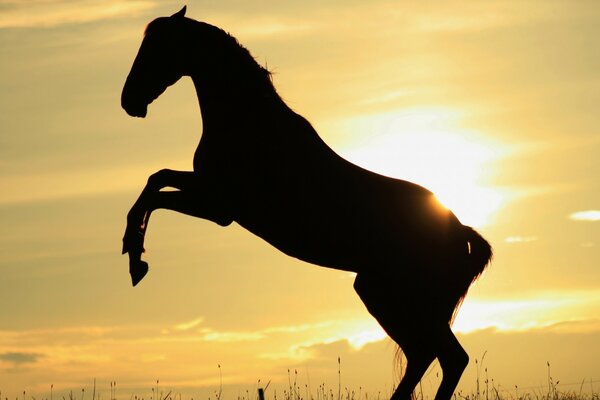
point(310, 243)
point(349, 245)
point(360, 251)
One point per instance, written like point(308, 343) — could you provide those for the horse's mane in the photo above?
point(248, 57)
point(239, 58)
point(248, 61)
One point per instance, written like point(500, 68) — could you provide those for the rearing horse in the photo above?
point(263, 166)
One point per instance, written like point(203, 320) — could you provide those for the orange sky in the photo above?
point(492, 105)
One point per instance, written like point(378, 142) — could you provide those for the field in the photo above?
point(296, 389)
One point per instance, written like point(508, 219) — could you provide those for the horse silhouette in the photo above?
point(263, 166)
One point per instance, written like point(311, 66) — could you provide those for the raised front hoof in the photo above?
point(138, 271)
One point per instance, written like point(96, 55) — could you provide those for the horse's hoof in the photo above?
point(138, 272)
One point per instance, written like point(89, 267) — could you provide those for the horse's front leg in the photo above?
point(192, 198)
point(139, 215)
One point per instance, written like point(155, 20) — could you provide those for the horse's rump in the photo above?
point(425, 283)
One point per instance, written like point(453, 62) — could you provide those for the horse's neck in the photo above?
point(211, 103)
point(225, 103)
point(251, 116)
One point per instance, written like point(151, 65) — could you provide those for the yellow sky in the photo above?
point(492, 105)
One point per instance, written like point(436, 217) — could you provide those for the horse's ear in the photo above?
point(180, 13)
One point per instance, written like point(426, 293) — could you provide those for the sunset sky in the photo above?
point(492, 105)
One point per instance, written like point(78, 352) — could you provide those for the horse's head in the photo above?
point(158, 64)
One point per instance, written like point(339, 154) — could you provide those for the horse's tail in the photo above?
point(480, 252)
point(477, 259)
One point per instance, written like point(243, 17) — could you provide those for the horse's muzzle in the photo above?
point(132, 100)
point(139, 112)
point(132, 107)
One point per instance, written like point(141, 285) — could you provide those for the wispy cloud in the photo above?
point(39, 13)
point(63, 184)
point(266, 26)
point(184, 326)
point(587, 215)
point(18, 358)
point(520, 239)
point(208, 335)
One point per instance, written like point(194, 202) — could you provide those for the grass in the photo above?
point(486, 389)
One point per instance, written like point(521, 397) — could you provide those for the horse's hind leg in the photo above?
point(408, 326)
point(453, 360)
point(421, 349)
point(418, 360)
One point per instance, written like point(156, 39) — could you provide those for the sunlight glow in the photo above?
point(426, 146)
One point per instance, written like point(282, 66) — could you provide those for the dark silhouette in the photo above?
point(263, 166)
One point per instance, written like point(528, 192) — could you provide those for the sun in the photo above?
point(426, 146)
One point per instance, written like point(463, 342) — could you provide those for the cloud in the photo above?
point(184, 358)
point(189, 364)
point(40, 13)
point(184, 326)
point(208, 335)
point(591, 325)
point(587, 215)
point(530, 311)
point(266, 26)
point(20, 358)
point(64, 184)
point(520, 239)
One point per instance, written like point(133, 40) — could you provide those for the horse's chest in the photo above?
point(210, 159)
